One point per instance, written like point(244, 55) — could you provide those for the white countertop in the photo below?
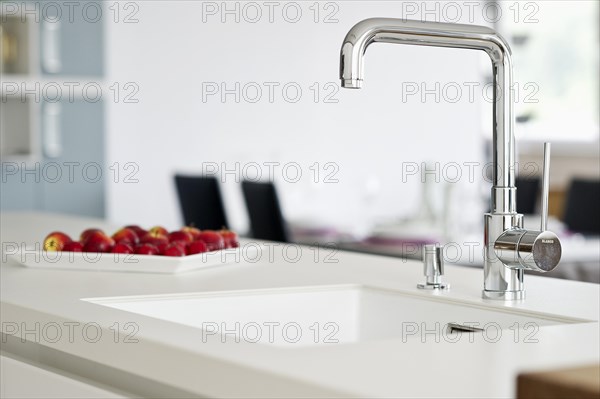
point(171, 359)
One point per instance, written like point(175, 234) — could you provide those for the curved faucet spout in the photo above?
point(388, 30)
point(508, 247)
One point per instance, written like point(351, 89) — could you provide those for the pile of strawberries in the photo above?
point(136, 240)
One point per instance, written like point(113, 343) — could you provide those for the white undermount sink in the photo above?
point(321, 315)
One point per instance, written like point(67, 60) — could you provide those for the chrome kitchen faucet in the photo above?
point(509, 249)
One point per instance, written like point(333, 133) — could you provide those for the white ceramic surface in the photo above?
point(91, 261)
point(304, 316)
point(171, 358)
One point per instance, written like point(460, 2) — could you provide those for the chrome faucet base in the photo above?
point(504, 295)
point(497, 277)
point(433, 286)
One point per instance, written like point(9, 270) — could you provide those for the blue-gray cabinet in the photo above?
point(70, 175)
point(64, 170)
point(73, 43)
point(18, 191)
point(73, 167)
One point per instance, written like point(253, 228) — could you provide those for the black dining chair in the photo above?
point(528, 190)
point(582, 212)
point(264, 211)
point(201, 202)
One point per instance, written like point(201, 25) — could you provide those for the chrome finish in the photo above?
point(400, 31)
point(501, 280)
point(504, 295)
point(533, 250)
point(433, 268)
point(545, 186)
point(498, 278)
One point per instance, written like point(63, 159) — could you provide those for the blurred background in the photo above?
point(105, 103)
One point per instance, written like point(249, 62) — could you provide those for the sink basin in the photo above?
point(322, 315)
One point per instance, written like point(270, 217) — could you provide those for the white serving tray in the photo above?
point(92, 261)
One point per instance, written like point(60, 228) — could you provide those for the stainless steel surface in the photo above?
point(433, 267)
point(499, 279)
point(533, 250)
point(545, 187)
point(400, 31)
point(502, 280)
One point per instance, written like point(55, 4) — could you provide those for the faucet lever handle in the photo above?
point(534, 250)
point(545, 187)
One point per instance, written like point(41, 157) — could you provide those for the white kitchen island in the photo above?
point(129, 354)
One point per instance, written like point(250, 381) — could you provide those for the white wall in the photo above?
point(170, 52)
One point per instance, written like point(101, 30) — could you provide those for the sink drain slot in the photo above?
point(453, 328)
